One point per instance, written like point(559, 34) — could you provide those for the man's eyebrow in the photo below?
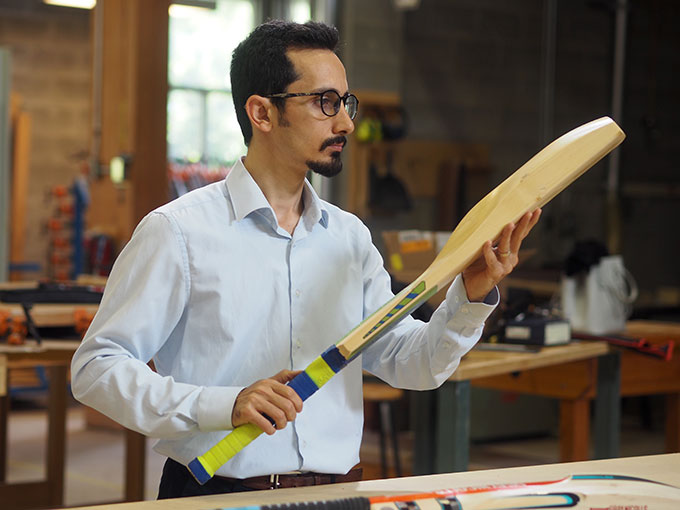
point(326, 89)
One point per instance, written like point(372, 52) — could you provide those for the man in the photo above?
point(234, 288)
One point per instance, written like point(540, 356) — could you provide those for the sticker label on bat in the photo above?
point(415, 292)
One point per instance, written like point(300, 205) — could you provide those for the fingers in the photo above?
point(504, 248)
point(267, 401)
point(497, 262)
point(512, 235)
point(286, 375)
point(526, 223)
point(490, 256)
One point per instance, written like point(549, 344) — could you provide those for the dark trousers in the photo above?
point(177, 482)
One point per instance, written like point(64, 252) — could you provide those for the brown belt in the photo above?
point(294, 480)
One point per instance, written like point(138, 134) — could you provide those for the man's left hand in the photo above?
point(496, 262)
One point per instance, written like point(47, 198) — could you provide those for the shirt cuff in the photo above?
point(472, 313)
point(215, 405)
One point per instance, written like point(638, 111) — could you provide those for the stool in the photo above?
point(385, 396)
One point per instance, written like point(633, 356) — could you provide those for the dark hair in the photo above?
point(259, 64)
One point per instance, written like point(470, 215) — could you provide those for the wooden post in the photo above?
point(574, 429)
point(133, 106)
point(21, 124)
point(5, 66)
point(673, 422)
point(135, 465)
point(4, 414)
point(56, 435)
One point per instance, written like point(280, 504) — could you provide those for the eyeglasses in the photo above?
point(330, 101)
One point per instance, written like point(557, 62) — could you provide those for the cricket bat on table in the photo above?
point(530, 187)
point(579, 492)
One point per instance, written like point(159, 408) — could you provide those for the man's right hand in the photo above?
point(269, 397)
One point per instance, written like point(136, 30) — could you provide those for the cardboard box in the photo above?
point(410, 252)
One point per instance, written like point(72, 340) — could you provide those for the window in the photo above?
point(202, 123)
point(204, 138)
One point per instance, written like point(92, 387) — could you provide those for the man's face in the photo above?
point(309, 138)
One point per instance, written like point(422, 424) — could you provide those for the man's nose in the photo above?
point(343, 123)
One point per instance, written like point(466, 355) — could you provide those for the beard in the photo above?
point(328, 168)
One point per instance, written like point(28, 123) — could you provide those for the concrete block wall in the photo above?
point(51, 71)
point(649, 157)
point(471, 70)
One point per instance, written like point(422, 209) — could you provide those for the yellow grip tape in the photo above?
point(319, 372)
point(233, 443)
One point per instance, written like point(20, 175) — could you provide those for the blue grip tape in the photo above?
point(334, 359)
point(198, 471)
point(303, 385)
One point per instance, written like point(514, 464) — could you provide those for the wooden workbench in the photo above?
point(643, 375)
point(50, 315)
point(56, 359)
point(623, 373)
point(55, 356)
point(662, 468)
point(441, 418)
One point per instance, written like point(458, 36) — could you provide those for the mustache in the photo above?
point(334, 141)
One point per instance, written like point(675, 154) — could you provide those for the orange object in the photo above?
point(17, 330)
point(55, 224)
point(61, 275)
point(66, 209)
point(5, 321)
point(60, 258)
point(60, 191)
point(60, 242)
point(82, 320)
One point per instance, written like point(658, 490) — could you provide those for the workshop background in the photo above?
point(110, 112)
point(510, 76)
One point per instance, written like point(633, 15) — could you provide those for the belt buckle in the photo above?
point(274, 482)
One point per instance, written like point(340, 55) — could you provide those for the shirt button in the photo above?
point(298, 292)
point(298, 344)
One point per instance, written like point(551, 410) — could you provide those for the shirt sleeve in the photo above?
point(417, 355)
point(143, 302)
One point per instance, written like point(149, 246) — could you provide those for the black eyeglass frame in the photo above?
point(343, 99)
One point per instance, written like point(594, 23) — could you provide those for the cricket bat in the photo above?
point(585, 492)
point(528, 188)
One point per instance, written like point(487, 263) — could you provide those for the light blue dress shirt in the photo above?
point(219, 296)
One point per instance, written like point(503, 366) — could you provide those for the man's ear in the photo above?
point(259, 110)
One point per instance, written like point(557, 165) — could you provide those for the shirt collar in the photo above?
point(247, 198)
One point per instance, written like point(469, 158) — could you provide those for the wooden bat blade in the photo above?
point(531, 186)
point(538, 181)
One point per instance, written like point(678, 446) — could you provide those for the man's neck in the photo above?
point(281, 187)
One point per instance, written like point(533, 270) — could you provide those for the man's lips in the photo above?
point(335, 144)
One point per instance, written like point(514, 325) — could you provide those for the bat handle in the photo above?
point(204, 466)
point(305, 384)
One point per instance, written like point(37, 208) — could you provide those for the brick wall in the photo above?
point(51, 70)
